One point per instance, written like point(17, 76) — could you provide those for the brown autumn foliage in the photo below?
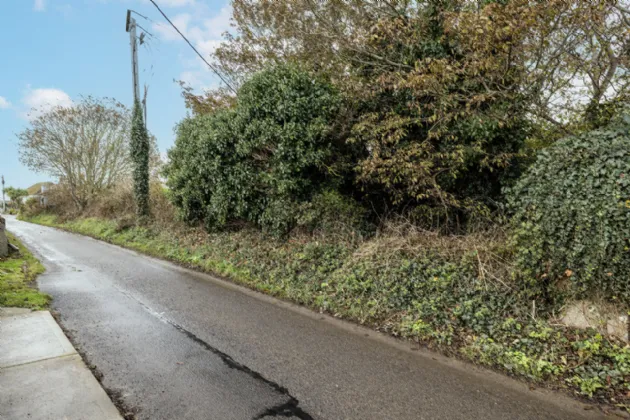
point(442, 96)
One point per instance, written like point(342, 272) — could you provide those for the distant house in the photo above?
point(37, 191)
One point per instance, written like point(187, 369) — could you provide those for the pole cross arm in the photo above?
point(127, 26)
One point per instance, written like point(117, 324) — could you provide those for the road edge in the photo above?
point(557, 396)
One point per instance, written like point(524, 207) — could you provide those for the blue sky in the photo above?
point(54, 51)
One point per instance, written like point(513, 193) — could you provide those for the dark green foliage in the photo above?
point(140, 150)
point(333, 215)
point(258, 161)
point(572, 217)
point(199, 182)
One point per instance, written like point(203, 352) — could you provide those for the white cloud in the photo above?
point(167, 32)
point(204, 28)
point(220, 23)
point(191, 78)
point(39, 101)
point(4, 103)
point(200, 78)
point(207, 47)
point(204, 32)
point(39, 5)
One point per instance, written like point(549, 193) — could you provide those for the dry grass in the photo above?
point(163, 213)
point(118, 203)
point(114, 204)
point(485, 249)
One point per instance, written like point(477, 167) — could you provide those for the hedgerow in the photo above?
point(572, 218)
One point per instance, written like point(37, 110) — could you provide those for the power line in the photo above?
point(147, 46)
point(142, 16)
point(145, 31)
point(194, 49)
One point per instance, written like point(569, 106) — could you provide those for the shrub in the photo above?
point(331, 214)
point(205, 174)
point(60, 202)
point(32, 207)
point(258, 161)
point(444, 129)
point(116, 203)
point(163, 213)
point(572, 217)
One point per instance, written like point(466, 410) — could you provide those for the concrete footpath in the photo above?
point(42, 377)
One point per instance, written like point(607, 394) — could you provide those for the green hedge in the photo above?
point(572, 218)
point(258, 161)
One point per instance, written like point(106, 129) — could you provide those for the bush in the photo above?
point(443, 130)
point(32, 207)
point(258, 161)
point(60, 202)
point(116, 203)
point(572, 218)
point(331, 214)
point(163, 213)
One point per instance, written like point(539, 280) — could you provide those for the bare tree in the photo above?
point(578, 57)
point(86, 146)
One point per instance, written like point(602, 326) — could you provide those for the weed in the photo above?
point(17, 275)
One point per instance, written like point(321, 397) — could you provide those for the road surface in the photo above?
point(175, 344)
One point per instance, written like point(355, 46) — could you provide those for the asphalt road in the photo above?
point(176, 345)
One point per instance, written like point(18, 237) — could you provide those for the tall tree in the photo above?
point(84, 145)
point(140, 151)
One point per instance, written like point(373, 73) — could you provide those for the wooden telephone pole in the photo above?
point(131, 29)
point(133, 40)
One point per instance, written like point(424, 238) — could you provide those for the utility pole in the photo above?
point(139, 144)
point(4, 205)
point(131, 28)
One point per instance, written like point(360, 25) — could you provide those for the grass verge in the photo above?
point(17, 279)
point(445, 300)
